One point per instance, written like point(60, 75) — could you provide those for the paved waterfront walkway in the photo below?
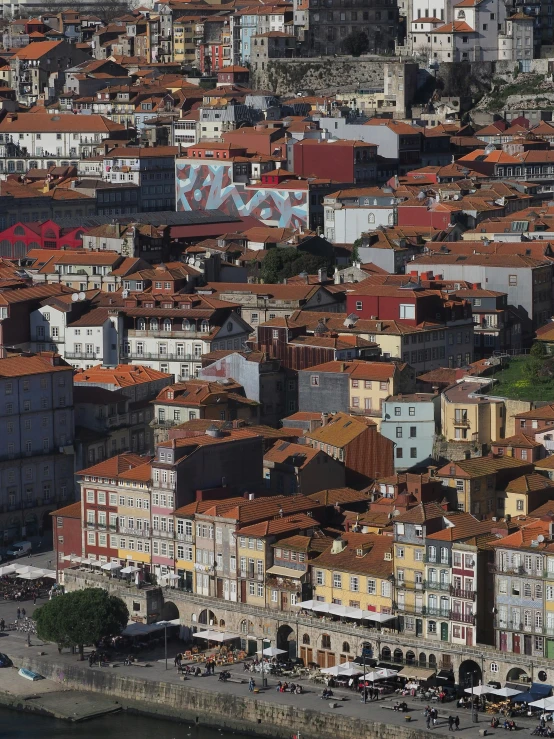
point(14, 643)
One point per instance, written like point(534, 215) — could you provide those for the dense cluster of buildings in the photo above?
point(250, 343)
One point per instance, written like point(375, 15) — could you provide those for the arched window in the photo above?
point(422, 659)
point(345, 647)
point(398, 656)
point(461, 14)
point(385, 654)
point(432, 660)
point(244, 627)
point(410, 657)
point(205, 327)
point(371, 218)
point(305, 639)
point(326, 641)
point(153, 324)
point(141, 324)
point(221, 623)
point(49, 234)
point(5, 248)
point(19, 249)
point(34, 245)
point(186, 325)
point(167, 324)
point(19, 231)
point(33, 164)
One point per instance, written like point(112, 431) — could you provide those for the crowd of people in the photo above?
point(14, 589)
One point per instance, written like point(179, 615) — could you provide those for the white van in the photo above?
point(19, 549)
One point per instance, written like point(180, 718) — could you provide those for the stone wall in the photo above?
point(210, 708)
point(327, 74)
point(292, 631)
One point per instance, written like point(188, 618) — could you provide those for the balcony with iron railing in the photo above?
point(187, 538)
point(161, 356)
point(437, 585)
point(439, 612)
point(462, 593)
point(134, 532)
point(506, 625)
point(163, 334)
point(83, 355)
point(162, 534)
point(464, 618)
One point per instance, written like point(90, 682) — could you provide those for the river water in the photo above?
point(121, 725)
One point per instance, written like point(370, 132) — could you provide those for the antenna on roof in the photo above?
point(125, 294)
point(82, 296)
point(75, 297)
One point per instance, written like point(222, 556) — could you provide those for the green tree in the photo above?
point(356, 44)
point(81, 617)
point(280, 263)
point(356, 251)
point(538, 350)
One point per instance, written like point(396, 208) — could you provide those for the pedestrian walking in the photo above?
point(450, 723)
point(428, 721)
point(18, 613)
point(251, 684)
point(34, 599)
point(23, 612)
point(457, 722)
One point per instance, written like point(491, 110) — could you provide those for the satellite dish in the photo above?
point(489, 148)
point(540, 537)
point(75, 297)
point(82, 296)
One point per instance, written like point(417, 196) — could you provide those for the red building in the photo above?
point(435, 215)
point(17, 240)
point(411, 304)
point(341, 161)
point(66, 526)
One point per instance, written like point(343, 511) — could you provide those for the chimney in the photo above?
point(321, 275)
point(324, 419)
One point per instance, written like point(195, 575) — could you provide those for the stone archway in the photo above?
point(467, 669)
point(515, 674)
point(286, 640)
point(207, 617)
point(170, 612)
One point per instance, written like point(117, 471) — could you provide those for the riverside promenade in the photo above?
point(206, 700)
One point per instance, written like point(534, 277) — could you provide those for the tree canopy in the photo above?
point(280, 263)
point(81, 617)
point(356, 43)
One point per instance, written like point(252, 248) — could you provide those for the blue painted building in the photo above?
point(410, 421)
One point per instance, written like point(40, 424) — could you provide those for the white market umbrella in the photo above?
point(7, 570)
point(23, 569)
point(307, 605)
point(111, 566)
point(322, 607)
point(272, 652)
point(129, 570)
point(544, 703)
point(480, 690)
point(96, 563)
point(49, 573)
point(335, 671)
point(218, 636)
point(381, 674)
point(29, 576)
point(507, 692)
point(349, 669)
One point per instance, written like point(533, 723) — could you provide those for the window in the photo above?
point(407, 311)
point(320, 577)
point(314, 380)
point(337, 580)
point(372, 587)
point(354, 584)
point(512, 280)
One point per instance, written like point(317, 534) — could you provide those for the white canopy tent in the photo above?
point(217, 636)
point(480, 690)
point(272, 652)
point(546, 704)
point(111, 566)
point(382, 674)
point(507, 692)
point(73, 558)
point(7, 570)
point(136, 629)
point(129, 570)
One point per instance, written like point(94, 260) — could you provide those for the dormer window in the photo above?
point(170, 395)
point(359, 552)
point(461, 14)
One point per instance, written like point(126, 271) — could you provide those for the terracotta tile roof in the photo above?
point(63, 123)
point(200, 506)
point(359, 370)
point(371, 561)
point(284, 452)
point(228, 435)
point(69, 511)
point(124, 375)
point(299, 521)
point(523, 537)
point(518, 440)
point(37, 364)
point(114, 466)
point(545, 412)
point(279, 292)
point(479, 466)
point(517, 261)
point(340, 496)
point(36, 50)
point(530, 483)
point(141, 473)
point(421, 513)
point(340, 430)
point(545, 464)
point(95, 317)
point(317, 542)
point(463, 526)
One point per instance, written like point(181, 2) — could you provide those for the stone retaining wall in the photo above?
point(210, 708)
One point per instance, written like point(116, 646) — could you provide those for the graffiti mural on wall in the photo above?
point(209, 186)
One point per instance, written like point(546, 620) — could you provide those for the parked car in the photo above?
point(5, 661)
point(19, 549)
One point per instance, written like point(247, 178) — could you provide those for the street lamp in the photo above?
point(474, 716)
point(264, 678)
